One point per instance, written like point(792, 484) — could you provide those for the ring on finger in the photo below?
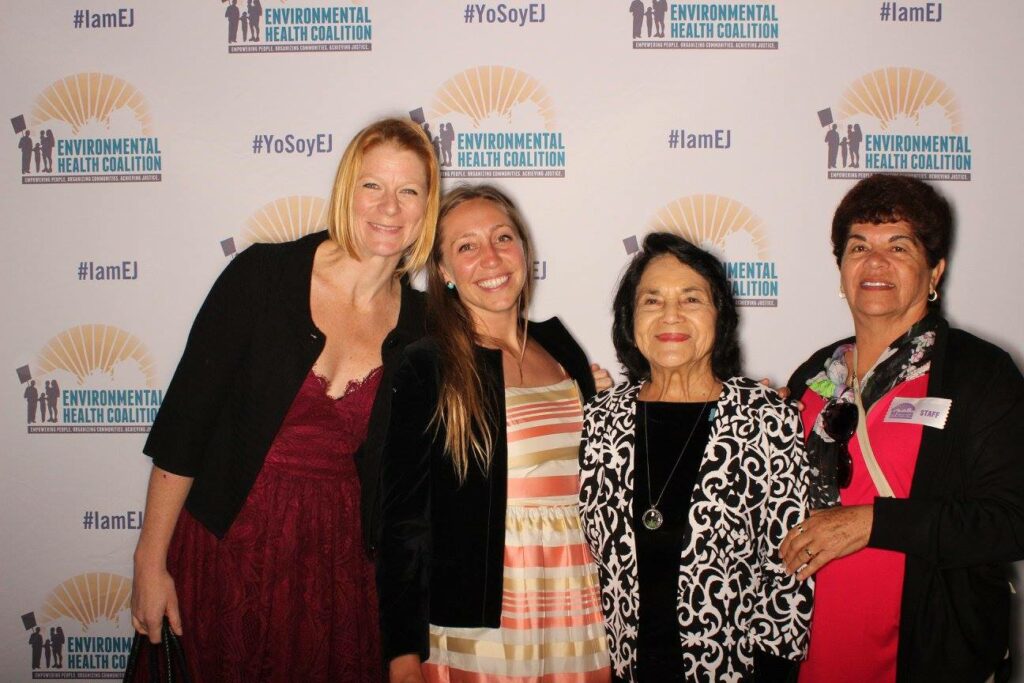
point(810, 555)
point(800, 528)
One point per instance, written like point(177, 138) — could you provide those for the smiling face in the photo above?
point(389, 201)
point(885, 274)
point(483, 254)
point(674, 318)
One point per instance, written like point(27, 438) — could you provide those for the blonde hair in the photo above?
point(406, 135)
point(462, 406)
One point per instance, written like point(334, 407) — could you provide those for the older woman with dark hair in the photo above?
point(916, 429)
point(691, 476)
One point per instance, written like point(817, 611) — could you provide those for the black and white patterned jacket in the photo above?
point(734, 596)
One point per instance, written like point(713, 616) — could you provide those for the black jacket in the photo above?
point(964, 520)
point(251, 347)
point(443, 542)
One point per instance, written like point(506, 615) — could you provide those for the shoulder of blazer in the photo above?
point(753, 393)
point(559, 342)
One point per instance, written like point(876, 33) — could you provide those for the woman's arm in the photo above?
point(153, 593)
point(984, 524)
point(783, 612)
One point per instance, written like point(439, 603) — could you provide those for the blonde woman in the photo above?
point(252, 544)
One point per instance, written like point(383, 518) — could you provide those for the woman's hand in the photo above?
point(825, 536)
point(602, 378)
point(153, 596)
point(153, 593)
point(782, 391)
point(405, 669)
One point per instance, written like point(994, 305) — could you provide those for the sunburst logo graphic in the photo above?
point(88, 599)
point(730, 231)
point(88, 128)
point(282, 220)
point(494, 121)
point(897, 120)
point(90, 98)
point(714, 223)
point(89, 350)
point(893, 95)
point(286, 219)
point(485, 93)
point(91, 378)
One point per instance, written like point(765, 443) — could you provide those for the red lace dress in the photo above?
point(288, 594)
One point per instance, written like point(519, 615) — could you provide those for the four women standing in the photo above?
point(305, 416)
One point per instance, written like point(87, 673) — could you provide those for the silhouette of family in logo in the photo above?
point(249, 21)
point(45, 401)
point(655, 14)
point(39, 151)
point(442, 142)
point(52, 648)
point(849, 145)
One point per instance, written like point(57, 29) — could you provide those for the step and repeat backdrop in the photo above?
point(152, 142)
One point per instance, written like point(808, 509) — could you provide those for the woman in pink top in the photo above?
point(913, 433)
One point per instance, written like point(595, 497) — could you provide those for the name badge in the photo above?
point(930, 412)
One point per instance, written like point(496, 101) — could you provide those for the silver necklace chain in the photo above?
point(653, 519)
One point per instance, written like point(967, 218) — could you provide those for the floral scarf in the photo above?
point(907, 358)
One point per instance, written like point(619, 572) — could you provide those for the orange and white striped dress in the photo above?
point(551, 624)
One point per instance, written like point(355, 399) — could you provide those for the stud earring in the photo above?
point(450, 285)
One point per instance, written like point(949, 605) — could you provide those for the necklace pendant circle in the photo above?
point(653, 519)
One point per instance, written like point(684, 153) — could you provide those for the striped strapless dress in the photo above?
point(551, 624)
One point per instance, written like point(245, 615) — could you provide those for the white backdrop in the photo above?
point(155, 115)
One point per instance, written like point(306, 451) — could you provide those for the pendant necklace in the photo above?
point(653, 519)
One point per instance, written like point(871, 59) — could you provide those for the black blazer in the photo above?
point(443, 542)
point(251, 347)
point(964, 520)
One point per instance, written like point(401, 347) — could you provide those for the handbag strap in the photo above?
point(877, 476)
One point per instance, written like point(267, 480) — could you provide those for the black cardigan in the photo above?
point(443, 543)
point(251, 347)
point(964, 520)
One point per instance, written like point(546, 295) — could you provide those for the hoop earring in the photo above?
point(933, 296)
point(450, 285)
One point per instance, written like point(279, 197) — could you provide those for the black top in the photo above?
point(251, 347)
point(443, 541)
point(659, 651)
point(964, 520)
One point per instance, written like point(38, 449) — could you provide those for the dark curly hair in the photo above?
point(725, 354)
point(889, 198)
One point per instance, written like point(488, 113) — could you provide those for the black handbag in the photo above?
point(165, 661)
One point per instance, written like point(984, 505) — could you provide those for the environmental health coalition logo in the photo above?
point(251, 27)
point(732, 232)
point(283, 220)
point(82, 630)
point(90, 379)
point(897, 120)
point(88, 128)
point(494, 122)
point(704, 26)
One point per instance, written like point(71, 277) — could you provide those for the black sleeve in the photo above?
point(216, 345)
point(984, 524)
point(403, 563)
